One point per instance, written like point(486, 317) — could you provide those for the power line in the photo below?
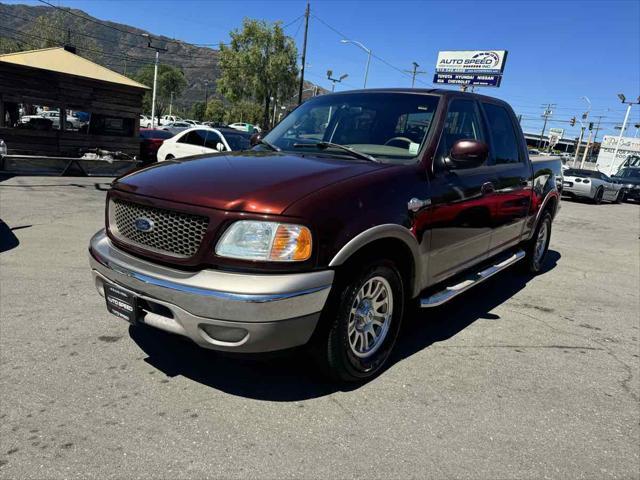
point(118, 43)
point(377, 57)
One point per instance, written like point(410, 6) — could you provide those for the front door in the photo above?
point(460, 217)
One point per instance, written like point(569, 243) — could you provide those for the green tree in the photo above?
point(171, 82)
point(259, 63)
point(243, 111)
point(198, 110)
point(9, 46)
point(215, 110)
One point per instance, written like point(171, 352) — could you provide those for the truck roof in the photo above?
point(431, 91)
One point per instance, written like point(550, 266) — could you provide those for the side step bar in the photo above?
point(443, 296)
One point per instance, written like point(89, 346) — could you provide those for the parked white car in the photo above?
point(145, 121)
point(591, 184)
point(198, 140)
point(170, 119)
point(54, 116)
point(245, 127)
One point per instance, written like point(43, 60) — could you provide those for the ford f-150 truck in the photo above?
point(355, 207)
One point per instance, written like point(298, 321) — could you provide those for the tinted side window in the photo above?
point(212, 139)
point(462, 123)
point(194, 138)
point(505, 141)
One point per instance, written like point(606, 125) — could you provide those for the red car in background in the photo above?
point(150, 141)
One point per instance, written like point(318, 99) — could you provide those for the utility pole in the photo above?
point(304, 52)
point(547, 113)
point(624, 126)
point(413, 73)
point(170, 103)
point(586, 149)
point(206, 93)
point(597, 129)
point(575, 156)
point(155, 78)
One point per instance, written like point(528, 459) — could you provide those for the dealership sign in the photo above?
point(627, 147)
point(472, 61)
point(557, 132)
point(471, 67)
point(467, 79)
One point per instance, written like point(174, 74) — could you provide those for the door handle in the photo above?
point(487, 187)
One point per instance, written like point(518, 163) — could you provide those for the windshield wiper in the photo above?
point(270, 145)
point(325, 145)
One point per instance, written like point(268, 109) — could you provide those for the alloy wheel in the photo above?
point(370, 317)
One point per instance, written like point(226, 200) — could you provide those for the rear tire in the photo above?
point(536, 249)
point(597, 198)
point(363, 323)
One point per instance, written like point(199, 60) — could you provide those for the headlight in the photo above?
point(270, 241)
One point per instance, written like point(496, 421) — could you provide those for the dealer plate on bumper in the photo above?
point(121, 303)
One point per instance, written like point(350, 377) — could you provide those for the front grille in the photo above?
point(172, 233)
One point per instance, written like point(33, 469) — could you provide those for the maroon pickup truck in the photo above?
point(355, 207)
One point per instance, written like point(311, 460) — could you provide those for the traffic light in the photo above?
point(590, 125)
point(572, 122)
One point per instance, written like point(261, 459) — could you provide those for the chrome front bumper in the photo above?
point(218, 310)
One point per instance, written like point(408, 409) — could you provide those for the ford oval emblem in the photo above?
point(143, 224)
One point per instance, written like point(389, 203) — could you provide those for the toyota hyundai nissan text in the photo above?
point(356, 206)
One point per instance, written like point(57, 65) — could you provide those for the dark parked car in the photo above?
point(150, 141)
point(629, 178)
point(355, 206)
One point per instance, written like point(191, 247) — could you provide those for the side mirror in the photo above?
point(220, 147)
point(467, 154)
point(255, 139)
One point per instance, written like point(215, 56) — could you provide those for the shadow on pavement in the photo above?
point(291, 376)
point(8, 240)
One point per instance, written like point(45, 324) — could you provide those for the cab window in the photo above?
point(503, 135)
point(461, 123)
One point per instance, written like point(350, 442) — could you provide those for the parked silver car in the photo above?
point(591, 184)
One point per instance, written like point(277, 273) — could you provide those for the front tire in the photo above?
point(622, 196)
point(364, 323)
point(537, 248)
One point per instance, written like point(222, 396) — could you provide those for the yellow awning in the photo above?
point(59, 60)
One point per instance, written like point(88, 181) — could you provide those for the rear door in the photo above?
point(512, 170)
point(460, 217)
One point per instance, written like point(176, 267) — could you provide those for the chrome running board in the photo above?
point(443, 296)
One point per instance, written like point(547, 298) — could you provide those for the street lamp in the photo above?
point(358, 44)
point(155, 78)
point(335, 80)
point(623, 99)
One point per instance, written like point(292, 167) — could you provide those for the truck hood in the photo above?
point(262, 182)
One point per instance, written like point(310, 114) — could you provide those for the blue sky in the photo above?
point(559, 50)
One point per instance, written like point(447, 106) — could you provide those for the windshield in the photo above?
point(629, 173)
point(389, 126)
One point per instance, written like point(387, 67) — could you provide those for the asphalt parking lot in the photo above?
point(521, 378)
